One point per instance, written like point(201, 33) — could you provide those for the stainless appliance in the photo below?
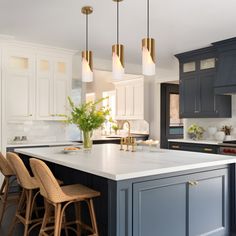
point(228, 148)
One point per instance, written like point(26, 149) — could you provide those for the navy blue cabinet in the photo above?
point(194, 204)
point(194, 147)
point(225, 81)
point(198, 72)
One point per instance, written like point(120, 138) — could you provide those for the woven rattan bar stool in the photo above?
point(7, 171)
point(30, 190)
point(59, 198)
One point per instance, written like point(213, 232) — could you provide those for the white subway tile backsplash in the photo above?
point(37, 131)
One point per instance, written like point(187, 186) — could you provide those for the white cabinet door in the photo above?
point(139, 100)
point(129, 100)
point(19, 76)
point(44, 88)
point(120, 102)
point(62, 74)
point(53, 81)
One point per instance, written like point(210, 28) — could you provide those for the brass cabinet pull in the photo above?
point(175, 146)
point(193, 183)
point(208, 149)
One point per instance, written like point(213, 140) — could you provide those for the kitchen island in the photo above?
point(162, 193)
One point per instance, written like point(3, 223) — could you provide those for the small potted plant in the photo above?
point(195, 132)
point(115, 127)
point(88, 116)
point(227, 130)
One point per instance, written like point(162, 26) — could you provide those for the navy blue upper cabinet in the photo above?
point(226, 76)
point(198, 72)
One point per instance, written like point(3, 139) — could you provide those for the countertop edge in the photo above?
point(209, 142)
point(133, 175)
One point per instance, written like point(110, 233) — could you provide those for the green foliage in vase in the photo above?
point(87, 116)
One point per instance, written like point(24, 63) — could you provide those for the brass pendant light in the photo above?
point(148, 50)
point(87, 56)
point(118, 52)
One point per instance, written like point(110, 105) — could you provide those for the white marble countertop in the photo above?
point(108, 161)
point(211, 142)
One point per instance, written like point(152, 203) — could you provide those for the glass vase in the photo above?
point(87, 140)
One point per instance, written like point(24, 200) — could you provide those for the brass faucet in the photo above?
point(126, 121)
point(129, 140)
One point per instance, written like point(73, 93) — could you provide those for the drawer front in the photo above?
point(192, 147)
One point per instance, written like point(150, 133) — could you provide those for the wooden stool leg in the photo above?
point(45, 217)
point(64, 222)
point(4, 195)
point(78, 218)
point(57, 226)
point(29, 199)
point(93, 217)
point(19, 207)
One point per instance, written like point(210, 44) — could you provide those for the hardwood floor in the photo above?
point(8, 218)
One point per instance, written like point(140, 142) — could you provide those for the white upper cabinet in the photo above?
point(130, 99)
point(139, 100)
point(36, 82)
point(120, 102)
point(62, 73)
point(53, 83)
point(19, 83)
point(44, 88)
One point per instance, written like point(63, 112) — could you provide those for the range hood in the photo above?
point(225, 82)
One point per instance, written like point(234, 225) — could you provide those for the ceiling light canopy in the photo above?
point(87, 56)
point(117, 51)
point(148, 50)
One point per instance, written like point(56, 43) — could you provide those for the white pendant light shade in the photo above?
point(148, 57)
point(118, 61)
point(87, 72)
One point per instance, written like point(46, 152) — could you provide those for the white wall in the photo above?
point(102, 82)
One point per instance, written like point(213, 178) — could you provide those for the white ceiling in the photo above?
point(177, 25)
